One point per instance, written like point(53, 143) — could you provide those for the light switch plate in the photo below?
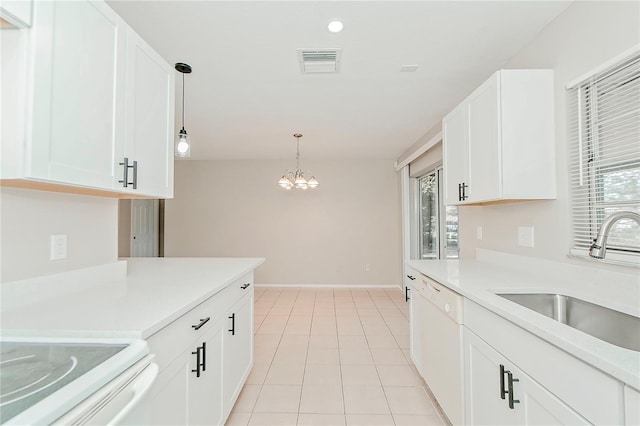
point(525, 236)
point(58, 247)
point(479, 232)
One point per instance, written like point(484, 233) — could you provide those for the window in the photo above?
point(438, 224)
point(604, 132)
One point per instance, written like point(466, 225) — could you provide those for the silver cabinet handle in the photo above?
point(125, 181)
point(135, 175)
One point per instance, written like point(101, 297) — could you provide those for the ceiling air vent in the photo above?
point(315, 61)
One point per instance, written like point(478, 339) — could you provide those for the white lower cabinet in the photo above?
point(204, 388)
point(499, 393)
point(415, 323)
point(631, 406)
point(189, 390)
point(238, 350)
point(550, 385)
point(205, 357)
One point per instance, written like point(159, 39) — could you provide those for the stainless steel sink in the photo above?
point(606, 324)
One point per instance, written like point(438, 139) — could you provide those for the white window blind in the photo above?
point(604, 133)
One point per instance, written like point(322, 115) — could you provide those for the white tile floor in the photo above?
point(332, 357)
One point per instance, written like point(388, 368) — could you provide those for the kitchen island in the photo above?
point(195, 314)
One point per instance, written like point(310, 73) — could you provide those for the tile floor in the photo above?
point(332, 357)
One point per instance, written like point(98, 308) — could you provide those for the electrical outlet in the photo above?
point(367, 267)
point(525, 236)
point(479, 232)
point(58, 247)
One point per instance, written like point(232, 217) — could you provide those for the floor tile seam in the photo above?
point(303, 375)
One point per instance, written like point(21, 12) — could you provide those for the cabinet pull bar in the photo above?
point(233, 324)
point(406, 294)
point(464, 191)
point(411, 277)
point(503, 392)
point(204, 356)
point(135, 175)
point(202, 322)
point(511, 380)
point(245, 286)
point(125, 180)
point(197, 369)
point(459, 192)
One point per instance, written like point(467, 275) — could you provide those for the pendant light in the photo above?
point(296, 179)
point(183, 145)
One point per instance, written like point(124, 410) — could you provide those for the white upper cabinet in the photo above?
point(149, 119)
point(77, 114)
point(456, 153)
point(499, 142)
point(92, 93)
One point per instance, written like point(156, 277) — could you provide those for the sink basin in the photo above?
point(606, 324)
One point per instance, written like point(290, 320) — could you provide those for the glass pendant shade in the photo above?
point(300, 182)
point(313, 182)
point(183, 146)
point(285, 183)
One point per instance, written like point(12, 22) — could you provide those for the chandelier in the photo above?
point(296, 179)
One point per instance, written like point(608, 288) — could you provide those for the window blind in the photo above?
point(604, 157)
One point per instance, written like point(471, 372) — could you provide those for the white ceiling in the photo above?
point(246, 95)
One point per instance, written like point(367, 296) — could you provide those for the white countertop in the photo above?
point(154, 292)
point(478, 280)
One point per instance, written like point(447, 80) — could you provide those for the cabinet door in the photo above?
point(455, 153)
point(149, 118)
point(77, 105)
point(205, 391)
point(484, 406)
point(168, 399)
point(238, 349)
point(535, 405)
point(631, 406)
point(541, 407)
point(182, 397)
point(415, 326)
point(485, 175)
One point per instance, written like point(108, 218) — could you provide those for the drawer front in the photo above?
point(239, 288)
point(169, 342)
point(176, 337)
point(560, 373)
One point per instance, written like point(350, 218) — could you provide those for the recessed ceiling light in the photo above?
point(335, 26)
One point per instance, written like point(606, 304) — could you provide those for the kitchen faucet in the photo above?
point(598, 248)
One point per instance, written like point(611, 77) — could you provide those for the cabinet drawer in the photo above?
point(239, 288)
point(559, 372)
point(172, 340)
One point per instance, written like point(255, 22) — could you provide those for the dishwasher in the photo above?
point(440, 316)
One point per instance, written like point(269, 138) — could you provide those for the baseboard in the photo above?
point(343, 286)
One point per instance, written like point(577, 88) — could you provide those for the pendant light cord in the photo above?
point(183, 101)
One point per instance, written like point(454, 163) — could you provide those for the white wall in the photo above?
point(29, 218)
point(584, 36)
point(234, 208)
